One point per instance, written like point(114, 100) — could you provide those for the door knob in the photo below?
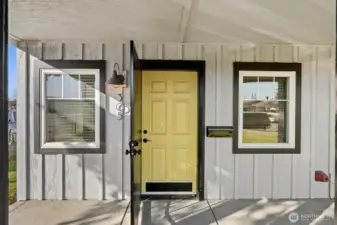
point(145, 131)
point(145, 140)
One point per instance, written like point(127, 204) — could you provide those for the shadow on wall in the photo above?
point(114, 154)
point(99, 169)
point(238, 212)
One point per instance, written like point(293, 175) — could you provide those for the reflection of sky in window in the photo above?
point(261, 90)
point(54, 86)
point(70, 86)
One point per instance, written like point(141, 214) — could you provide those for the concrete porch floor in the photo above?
point(175, 212)
point(69, 213)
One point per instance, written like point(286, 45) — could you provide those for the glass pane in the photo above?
point(267, 88)
point(268, 124)
point(70, 121)
point(253, 106)
point(53, 86)
point(87, 86)
point(70, 86)
point(281, 84)
point(250, 87)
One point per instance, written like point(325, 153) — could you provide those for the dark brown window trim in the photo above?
point(267, 66)
point(67, 64)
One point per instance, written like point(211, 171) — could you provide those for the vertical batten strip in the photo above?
point(106, 112)
point(313, 120)
point(295, 51)
point(332, 122)
point(43, 156)
point(53, 179)
point(114, 152)
point(126, 168)
point(302, 161)
point(123, 126)
point(28, 121)
point(225, 115)
point(236, 173)
point(74, 177)
point(160, 52)
point(82, 155)
point(245, 162)
point(263, 163)
point(255, 157)
point(210, 56)
point(282, 162)
point(92, 163)
point(36, 170)
point(83, 177)
point(63, 158)
point(322, 118)
point(218, 83)
point(180, 51)
point(22, 124)
point(276, 52)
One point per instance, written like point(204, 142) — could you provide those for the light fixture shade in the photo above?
point(116, 80)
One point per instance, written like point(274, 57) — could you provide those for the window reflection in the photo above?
point(250, 88)
point(265, 122)
point(266, 88)
point(54, 86)
point(70, 86)
point(265, 110)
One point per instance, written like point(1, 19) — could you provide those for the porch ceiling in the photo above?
point(225, 21)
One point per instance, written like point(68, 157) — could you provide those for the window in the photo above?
point(70, 114)
point(265, 99)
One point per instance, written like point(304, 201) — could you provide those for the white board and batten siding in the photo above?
point(227, 176)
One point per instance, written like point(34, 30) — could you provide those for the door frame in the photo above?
point(199, 67)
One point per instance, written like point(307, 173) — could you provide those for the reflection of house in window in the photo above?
point(260, 106)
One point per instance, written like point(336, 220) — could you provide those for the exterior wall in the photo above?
point(227, 176)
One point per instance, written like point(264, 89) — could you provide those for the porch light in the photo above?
point(117, 79)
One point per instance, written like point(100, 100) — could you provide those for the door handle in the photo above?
point(133, 143)
point(146, 140)
point(133, 152)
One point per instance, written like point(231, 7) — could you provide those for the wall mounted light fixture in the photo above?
point(117, 80)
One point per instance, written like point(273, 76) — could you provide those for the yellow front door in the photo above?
point(169, 104)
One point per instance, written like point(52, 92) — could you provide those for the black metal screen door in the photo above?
point(3, 112)
point(135, 143)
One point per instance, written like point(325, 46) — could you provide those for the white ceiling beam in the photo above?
point(187, 11)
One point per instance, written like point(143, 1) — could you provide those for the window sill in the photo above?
point(266, 146)
point(258, 150)
point(65, 151)
point(70, 145)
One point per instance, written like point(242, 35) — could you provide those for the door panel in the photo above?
point(170, 115)
point(135, 145)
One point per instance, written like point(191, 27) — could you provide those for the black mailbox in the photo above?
point(219, 131)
